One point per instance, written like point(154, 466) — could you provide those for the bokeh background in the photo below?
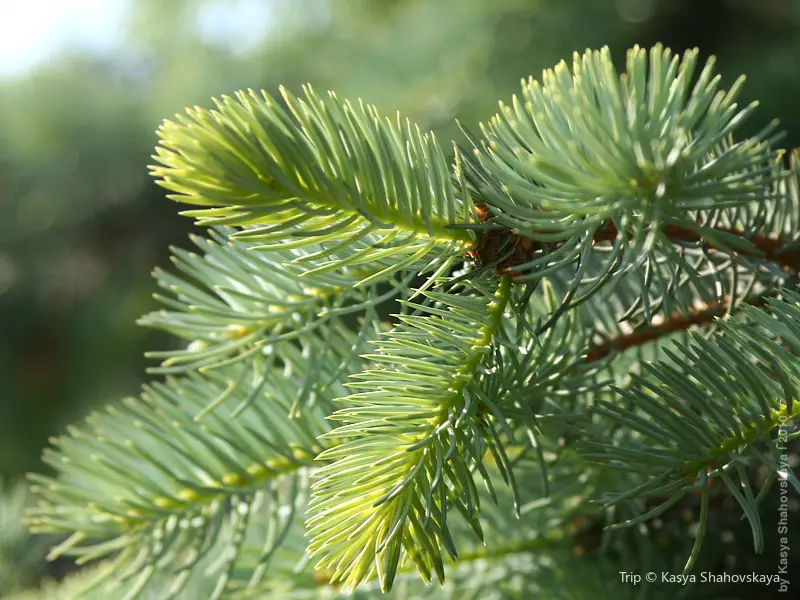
point(85, 83)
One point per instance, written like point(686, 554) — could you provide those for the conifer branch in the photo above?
point(148, 485)
point(323, 172)
point(414, 437)
point(706, 412)
point(233, 305)
point(588, 153)
point(775, 250)
point(661, 327)
point(616, 199)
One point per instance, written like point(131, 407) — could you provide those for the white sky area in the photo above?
point(33, 30)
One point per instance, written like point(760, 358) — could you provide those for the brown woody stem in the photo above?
point(770, 248)
point(676, 322)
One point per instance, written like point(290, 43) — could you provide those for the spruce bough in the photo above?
point(537, 371)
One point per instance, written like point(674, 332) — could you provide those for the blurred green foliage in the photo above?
point(82, 226)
